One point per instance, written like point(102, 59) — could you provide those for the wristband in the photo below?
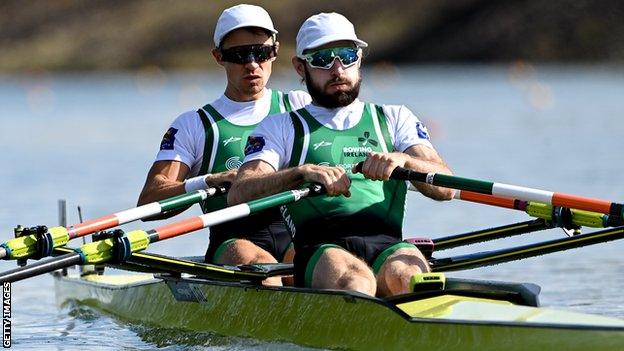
point(195, 183)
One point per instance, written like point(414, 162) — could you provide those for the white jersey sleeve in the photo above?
point(298, 99)
point(405, 128)
point(272, 141)
point(184, 142)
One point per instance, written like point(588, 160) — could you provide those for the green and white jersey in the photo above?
point(212, 139)
point(342, 137)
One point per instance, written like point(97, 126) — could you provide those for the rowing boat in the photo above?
point(452, 314)
point(466, 314)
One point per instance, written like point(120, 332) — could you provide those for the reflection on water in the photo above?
point(91, 139)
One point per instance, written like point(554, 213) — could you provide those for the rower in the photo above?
point(351, 238)
point(204, 147)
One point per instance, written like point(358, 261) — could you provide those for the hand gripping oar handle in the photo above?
point(31, 244)
point(118, 248)
point(399, 173)
point(510, 191)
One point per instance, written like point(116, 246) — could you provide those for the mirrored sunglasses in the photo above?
point(325, 58)
point(248, 53)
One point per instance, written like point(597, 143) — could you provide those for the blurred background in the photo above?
point(113, 35)
point(520, 92)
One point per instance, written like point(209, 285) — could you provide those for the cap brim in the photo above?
point(325, 40)
point(243, 25)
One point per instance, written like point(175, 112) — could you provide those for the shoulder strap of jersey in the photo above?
point(380, 121)
point(287, 105)
point(296, 156)
point(210, 129)
point(275, 102)
point(213, 112)
point(310, 120)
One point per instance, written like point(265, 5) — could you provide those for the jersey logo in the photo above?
point(231, 139)
point(367, 139)
point(233, 162)
point(254, 144)
point(422, 131)
point(321, 144)
point(168, 139)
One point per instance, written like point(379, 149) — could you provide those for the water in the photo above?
point(90, 139)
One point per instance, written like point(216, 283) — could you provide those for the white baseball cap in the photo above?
point(240, 16)
point(324, 28)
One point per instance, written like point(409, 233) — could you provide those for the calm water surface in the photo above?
point(91, 139)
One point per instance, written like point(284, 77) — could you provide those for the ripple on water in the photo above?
point(78, 327)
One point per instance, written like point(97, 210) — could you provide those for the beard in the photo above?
point(337, 99)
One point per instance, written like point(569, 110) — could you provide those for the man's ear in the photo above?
point(299, 65)
point(217, 56)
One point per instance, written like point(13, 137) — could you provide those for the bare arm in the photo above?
point(166, 179)
point(258, 179)
point(379, 166)
point(426, 159)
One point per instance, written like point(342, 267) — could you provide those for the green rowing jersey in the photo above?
point(374, 207)
point(225, 143)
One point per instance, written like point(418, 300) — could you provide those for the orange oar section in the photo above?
point(93, 226)
point(582, 203)
point(487, 199)
point(179, 228)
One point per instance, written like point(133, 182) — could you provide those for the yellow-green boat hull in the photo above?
point(340, 320)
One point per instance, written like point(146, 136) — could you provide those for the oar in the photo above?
point(38, 242)
point(562, 216)
point(515, 253)
point(483, 235)
point(254, 273)
point(120, 246)
point(156, 263)
point(511, 191)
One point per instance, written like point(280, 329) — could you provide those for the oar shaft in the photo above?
point(28, 246)
point(144, 211)
point(40, 267)
point(479, 236)
point(511, 254)
point(228, 214)
point(541, 210)
point(512, 191)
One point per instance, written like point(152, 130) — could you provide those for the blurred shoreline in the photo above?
point(116, 35)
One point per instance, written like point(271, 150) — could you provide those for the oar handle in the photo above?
point(399, 173)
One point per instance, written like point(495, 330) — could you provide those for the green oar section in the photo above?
point(119, 246)
point(40, 241)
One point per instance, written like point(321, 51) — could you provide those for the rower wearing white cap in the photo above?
point(352, 238)
point(205, 147)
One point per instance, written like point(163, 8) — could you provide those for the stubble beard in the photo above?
point(338, 99)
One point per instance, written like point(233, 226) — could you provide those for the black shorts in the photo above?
point(373, 249)
point(272, 237)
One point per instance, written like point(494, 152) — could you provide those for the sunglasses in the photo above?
point(325, 58)
point(249, 53)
